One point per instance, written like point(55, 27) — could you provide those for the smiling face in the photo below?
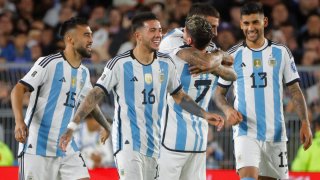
point(82, 41)
point(150, 35)
point(253, 26)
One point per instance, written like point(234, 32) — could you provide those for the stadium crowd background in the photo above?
point(29, 29)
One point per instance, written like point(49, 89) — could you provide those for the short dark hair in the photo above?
point(251, 8)
point(140, 18)
point(200, 31)
point(203, 9)
point(70, 24)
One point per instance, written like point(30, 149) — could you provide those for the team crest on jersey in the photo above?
point(272, 61)
point(161, 75)
point(148, 78)
point(257, 63)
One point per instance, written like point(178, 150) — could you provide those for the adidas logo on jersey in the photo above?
point(30, 146)
point(243, 65)
point(134, 79)
point(62, 79)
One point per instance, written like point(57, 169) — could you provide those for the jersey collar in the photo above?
point(133, 57)
point(267, 43)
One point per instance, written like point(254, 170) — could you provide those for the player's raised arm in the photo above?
point(93, 98)
point(218, 62)
point(21, 130)
point(188, 104)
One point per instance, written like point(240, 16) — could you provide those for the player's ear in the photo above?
point(265, 21)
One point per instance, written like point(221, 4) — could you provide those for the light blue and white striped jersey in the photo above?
point(56, 89)
point(140, 96)
point(174, 39)
point(182, 131)
point(259, 89)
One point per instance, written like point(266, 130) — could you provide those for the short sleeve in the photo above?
point(291, 74)
point(108, 79)
point(36, 76)
point(224, 83)
point(174, 84)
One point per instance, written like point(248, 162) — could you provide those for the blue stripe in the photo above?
point(49, 111)
point(181, 136)
point(74, 145)
point(276, 94)
point(164, 69)
point(68, 109)
point(130, 99)
point(148, 87)
point(259, 98)
point(242, 105)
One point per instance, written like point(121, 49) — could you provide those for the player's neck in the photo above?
point(143, 55)
point(256, 45)
point(72, 57)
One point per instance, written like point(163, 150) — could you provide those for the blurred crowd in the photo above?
point(29, 30)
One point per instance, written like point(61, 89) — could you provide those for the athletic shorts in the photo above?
point(36, 167)
point(269, 157)
point(181, 165)
point(132, 165)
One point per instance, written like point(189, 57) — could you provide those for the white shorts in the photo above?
point(132, 165)
point(181, 165)
point(269, 157)
point(36, 167)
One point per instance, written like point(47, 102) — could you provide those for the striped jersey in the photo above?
point(56, 89)
point(182, 131)
point(174, 39)
point(140, 95)
point(259, 89)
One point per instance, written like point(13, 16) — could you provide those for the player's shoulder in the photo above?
point(164, 57)
point(120, 58)
point(236, 47)
point(281, 46)
point(171, 40)
point(44, 61)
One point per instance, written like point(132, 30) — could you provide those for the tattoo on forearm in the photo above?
point(298, 101)
point(91, 100)
point(100, 118)
point(191, 106)
point(226, 72)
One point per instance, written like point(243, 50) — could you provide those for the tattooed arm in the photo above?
point(188, 104)
point(90, 102)
point(301, 109)
point(233, 116)
point(217, 62)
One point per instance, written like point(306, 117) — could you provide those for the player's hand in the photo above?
point(104, 134)
point(21, 132)
point(305, 134)
point(65, 139)
point(214, 119)
point(233, 116)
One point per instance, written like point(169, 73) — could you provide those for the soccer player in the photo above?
point(58, 82)
point(262, 66)
point(140, 79)
point(184, 139)
point(216, 62)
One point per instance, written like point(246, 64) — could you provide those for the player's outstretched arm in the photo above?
point(188, 104)
point(218, 62)
point(233, 117)
point(20, 130)
point(94, 97)
point(301, 109)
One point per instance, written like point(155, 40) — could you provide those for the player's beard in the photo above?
point(84, 52)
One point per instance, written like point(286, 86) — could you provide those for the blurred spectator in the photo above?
point(6, 156)
point(235, 19)
point(6, 5)
point(214, 153)
point(308, 161)
point(47, 41)
point(25, 9)
point(17, 51)
point(6, 25)
point(97, 15)
point(312, 43)
point(5, 95)
point(304, 8)
point(280, 14)
point(94, 153)
point(226, 38)
point(311, 29)
point(180, 12)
